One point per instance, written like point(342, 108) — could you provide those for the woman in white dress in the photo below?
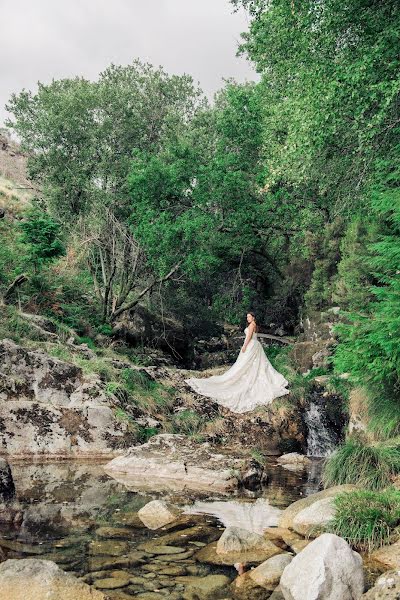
point(251, 381)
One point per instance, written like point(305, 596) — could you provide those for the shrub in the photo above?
point(366, 519)
point(371, 465)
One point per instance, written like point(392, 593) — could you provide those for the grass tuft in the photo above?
point(367, 519)
point(372, 466)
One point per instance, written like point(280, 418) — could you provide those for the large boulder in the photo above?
point(309, 355)
point(311, 520)
point(286, 518)
point(7, 488)
point(327, 569)
point(176, 462)
point(34, 579)
point(387, 587)
point(48, 407)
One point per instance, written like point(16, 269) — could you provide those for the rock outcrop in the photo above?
point(169, 461)
point(272, 429)
point(48, 407)
point(327, 569)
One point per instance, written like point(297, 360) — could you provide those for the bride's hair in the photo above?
point(254, 317)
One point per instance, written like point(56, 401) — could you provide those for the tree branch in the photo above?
point(133, 303)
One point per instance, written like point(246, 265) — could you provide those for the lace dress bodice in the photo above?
point(253, 337)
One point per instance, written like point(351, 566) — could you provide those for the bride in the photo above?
point(250, 382)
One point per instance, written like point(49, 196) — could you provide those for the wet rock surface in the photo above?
point(293, 461)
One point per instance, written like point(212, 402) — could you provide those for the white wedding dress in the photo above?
point(250, 382)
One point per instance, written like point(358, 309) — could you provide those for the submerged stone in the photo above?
point(108, 547)
point(207, 588)
point(112, 583)
point(155, 548)
point(113, 532)
point(209, 555)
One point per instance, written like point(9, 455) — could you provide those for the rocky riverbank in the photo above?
point(193, 550)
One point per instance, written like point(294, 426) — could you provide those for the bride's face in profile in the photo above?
point(250, 318)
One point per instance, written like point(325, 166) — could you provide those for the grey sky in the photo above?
point(45, 39)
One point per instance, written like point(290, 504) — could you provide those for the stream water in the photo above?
point(85, 521)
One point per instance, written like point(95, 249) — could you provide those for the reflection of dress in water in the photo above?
point(250, 382)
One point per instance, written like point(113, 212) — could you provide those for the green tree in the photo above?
point(370, 343)
point(80, 136)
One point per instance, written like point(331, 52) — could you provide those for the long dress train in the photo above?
point(250, 382)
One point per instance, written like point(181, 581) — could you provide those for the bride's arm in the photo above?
point(249, 335)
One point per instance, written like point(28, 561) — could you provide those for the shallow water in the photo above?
point(75, 514)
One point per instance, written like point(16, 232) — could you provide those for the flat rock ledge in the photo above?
point(170, 461)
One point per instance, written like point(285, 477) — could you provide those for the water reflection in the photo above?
point(254, 516)
point(66, 508)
